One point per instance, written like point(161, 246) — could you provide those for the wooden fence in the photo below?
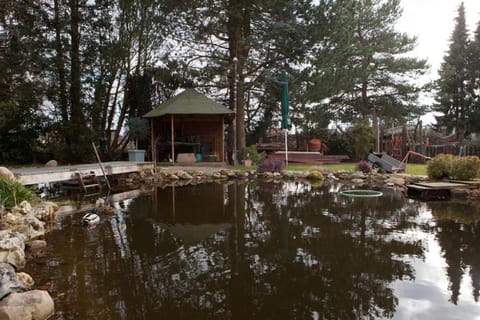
point(398, 150)
point(453, 148)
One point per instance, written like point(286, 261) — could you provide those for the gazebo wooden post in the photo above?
point(153, 144)
point(172, 129)
point(223, 138)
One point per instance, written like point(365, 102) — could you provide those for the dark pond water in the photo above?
point(256, 250)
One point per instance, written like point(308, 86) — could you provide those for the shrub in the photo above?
point(363, 139)
point(364, 166)
point(465, 168)
point(339, 144)
point(450, 166)
point(253, 153)
point(270, 165)
point(315, 175)
point(440, 166)
point(12, 193)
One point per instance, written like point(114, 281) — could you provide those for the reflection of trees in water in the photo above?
point(310, 252)
point(341, 254)
point(458, 233)
point(294, 251)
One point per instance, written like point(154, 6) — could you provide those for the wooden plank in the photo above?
point(418, 187)
point(473, 183)
point(92, 185)
point(441, 185)
point(30, 176)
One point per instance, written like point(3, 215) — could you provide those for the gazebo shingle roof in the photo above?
point(189, 102)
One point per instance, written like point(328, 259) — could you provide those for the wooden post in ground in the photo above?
point(101, 166)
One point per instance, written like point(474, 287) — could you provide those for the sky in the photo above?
point(432, 22)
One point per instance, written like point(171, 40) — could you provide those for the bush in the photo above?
point(450, 166)
point(440, 166)
point(253, 153)
point(12, 193)
point(364, 166)
point(339, 144)
point(465, 168)
point(363, 140)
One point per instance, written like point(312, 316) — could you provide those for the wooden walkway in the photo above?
point(30, 176)
point(439, 190)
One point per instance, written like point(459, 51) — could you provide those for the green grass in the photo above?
point(330, 167)
point(12, 193)
point(418, 169)
point(412, 168)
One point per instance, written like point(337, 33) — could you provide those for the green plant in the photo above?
point(252, 153)
point(440, 166)
point(12, 193)
point(465, 168)
point(363, 139)
point(339, 144)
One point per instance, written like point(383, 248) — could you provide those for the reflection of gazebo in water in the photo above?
point(193, 213)
point(189, 127)
point(192, 234)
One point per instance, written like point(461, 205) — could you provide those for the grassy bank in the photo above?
point(412, 168)
point(12, 193)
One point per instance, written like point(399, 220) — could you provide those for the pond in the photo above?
point(262, 250)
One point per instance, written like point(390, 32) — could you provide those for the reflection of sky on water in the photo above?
point(427, 297)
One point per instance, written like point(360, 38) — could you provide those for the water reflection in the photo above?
point(262, 250)
point(458, 231)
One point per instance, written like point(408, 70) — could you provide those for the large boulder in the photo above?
point(51, 163)
point(183, 175)
point(395, 181)
point(357, 175)
point(6, 173)
point(30, 305)
point(26, 280)
point(24, 208)
point(28, 225)
point(22, 219)
point(45, 211)
point(228, 173)
point(8, 280)
point(12, 249)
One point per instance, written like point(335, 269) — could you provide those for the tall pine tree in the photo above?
point(21, 86)
point(452, 99)
point(363, 67)
point(261, 36)
point(473, 69)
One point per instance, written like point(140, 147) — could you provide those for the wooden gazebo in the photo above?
point(189, 125)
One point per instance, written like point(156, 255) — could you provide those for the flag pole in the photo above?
point(284, 104)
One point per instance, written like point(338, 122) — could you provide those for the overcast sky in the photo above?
point(433, 21)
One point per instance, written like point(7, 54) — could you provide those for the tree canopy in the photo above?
point(457, 97)
point(452, 93)
point(77, 71)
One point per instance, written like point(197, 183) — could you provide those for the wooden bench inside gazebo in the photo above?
point(188, 128)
